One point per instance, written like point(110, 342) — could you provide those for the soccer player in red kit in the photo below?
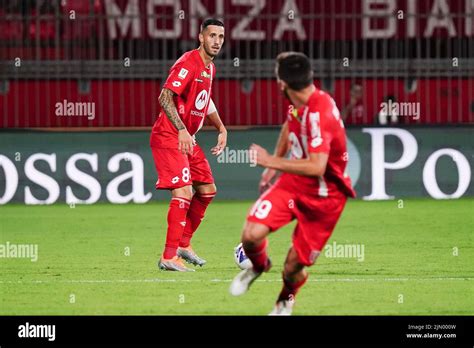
point(313, 187)
point(180, 162)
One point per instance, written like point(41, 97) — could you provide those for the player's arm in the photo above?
point(169, 108)
point(281, 149)
point(185, 141)
point(315, 165)
point(215, 119)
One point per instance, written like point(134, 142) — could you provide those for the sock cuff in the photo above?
point(181, 200)
point(205, 195)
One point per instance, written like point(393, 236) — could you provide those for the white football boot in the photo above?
point(283, 308)
point(242, 281)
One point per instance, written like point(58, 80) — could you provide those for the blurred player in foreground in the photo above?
point(312, 189)
point(181, 163)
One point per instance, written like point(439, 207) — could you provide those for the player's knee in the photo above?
point(292, 267)
point(213, 188)
point(183, 192)
point(253, 234)
point(248, 237)
point(206, 188)
point(294, 271)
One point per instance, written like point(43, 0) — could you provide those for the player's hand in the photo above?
point(221, 143)
point(185, 142)
point(260, 155)
point(266, 180)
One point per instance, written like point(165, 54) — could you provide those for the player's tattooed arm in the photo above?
point(169, 108)
point(185, 140)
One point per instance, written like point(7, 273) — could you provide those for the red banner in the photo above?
point(252, 20)
point(275, 20)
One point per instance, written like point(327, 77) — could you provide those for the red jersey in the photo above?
point(191, 81)
point(314, 128)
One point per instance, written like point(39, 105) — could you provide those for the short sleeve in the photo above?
point(319, 133)
point(179, 78)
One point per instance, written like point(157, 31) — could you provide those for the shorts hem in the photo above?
point(272, 229)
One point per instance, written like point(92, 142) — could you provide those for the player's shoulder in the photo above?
point(321, 101)
point(187, 60)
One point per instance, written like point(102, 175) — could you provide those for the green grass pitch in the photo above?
point(418, 260)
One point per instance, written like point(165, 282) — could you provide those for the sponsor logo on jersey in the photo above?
point(314, 122)
point(183, 73)
point(176, 83)
point(197, 113)
point(316, 142)
point(314, 119)
point(201, 100)
point(205, 74)
point(198, 80)
point(293, 113)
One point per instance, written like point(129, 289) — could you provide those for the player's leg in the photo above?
point(204, 194)
point(174, 175)
point(178, 208)
point(269, 213)
point(294, 276)
point(254, 242)
point(205, 191)
point(317, 218)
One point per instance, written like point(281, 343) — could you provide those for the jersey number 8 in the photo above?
point(185, 173)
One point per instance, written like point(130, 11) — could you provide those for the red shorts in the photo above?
point(177, 170)
point(316, 216)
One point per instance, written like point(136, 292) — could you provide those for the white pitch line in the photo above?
point(156, 280)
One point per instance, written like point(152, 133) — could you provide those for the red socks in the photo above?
point(176, 222)
point(258, 256)
point(290, 289)
point(184, 217)
point(195, 215)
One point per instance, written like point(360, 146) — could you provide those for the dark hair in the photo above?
point(211, 21)
point(295, 69)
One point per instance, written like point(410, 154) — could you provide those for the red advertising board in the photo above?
point(135, 103)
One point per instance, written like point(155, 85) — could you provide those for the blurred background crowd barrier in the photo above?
point(115, 54)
